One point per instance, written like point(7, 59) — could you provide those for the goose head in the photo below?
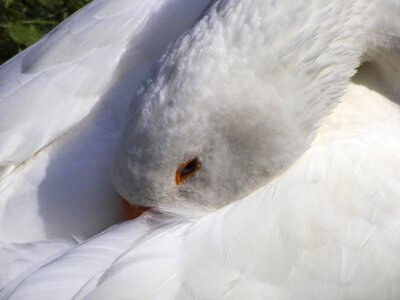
point(188, 147)
point(226, 109)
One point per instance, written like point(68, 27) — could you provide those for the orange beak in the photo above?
point(132, 212)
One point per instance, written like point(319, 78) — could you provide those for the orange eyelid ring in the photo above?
point(187, 170)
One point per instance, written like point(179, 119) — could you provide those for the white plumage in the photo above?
point(326, 221)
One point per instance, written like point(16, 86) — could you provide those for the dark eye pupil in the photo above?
point(189, 168)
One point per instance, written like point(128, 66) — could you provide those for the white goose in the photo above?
point(233, 106)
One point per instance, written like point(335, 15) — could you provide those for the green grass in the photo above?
point(23, 22)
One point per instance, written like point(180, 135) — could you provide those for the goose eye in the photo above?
point(187, 170)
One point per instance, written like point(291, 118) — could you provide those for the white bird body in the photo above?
point(317, 231)
point(328, 226)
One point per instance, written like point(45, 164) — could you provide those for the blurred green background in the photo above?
point(23, 22)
